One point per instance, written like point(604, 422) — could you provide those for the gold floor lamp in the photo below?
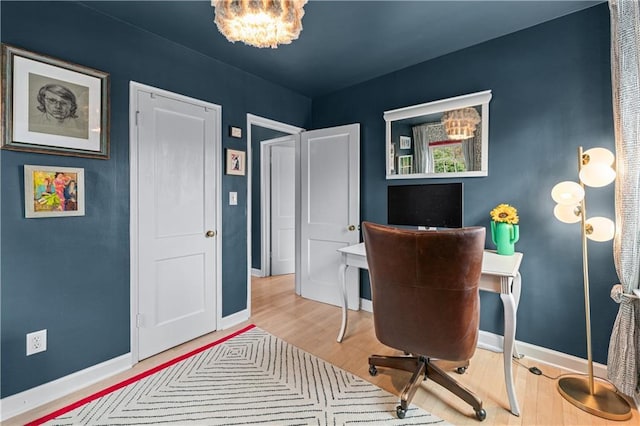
point(595, 169)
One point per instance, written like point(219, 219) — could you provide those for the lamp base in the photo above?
point(605, 402)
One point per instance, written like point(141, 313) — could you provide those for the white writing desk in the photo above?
point(499, 275)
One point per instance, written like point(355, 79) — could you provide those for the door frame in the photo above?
point(264, 218)
point(265, 201)
point(134, 88)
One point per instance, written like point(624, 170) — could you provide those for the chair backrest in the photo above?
point(424, 288)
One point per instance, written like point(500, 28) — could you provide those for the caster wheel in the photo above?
point(481, 414)
point(373, 370)
point(400, 412)
point(461, 370)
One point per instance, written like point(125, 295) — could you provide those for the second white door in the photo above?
point(329, 211)
point(176, 214)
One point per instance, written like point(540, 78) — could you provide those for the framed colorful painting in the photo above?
point(52, 106)
point(53, 191)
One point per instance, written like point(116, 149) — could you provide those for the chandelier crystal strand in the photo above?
point(259, 23)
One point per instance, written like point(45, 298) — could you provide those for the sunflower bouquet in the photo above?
point(505, 230)
point(505, 213)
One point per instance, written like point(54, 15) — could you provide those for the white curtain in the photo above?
point(472, 151)
point(422, 135)
point(468, 151)
point(623, 364)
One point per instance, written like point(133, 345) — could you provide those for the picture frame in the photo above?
point(52, 106)
point(405, 164)
point(235, 162)
point(52, 191)
point(392, 157)
point(405, 142)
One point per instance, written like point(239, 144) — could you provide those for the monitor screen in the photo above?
point(436, 205)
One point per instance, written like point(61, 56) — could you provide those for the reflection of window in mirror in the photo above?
point(448, 158)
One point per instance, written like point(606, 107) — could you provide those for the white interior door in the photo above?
point(283, 206)
point(177, 193)
point(329, 210)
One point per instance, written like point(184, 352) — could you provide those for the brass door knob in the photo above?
point(210, 234)
point(352, 228)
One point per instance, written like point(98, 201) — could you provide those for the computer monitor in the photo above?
point(438, 205)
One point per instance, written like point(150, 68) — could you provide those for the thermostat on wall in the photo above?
point(235, 132)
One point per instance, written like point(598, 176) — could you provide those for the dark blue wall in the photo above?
point(71, 275)
point(551, 93)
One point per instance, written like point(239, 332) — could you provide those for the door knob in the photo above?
point(210, 234)
point(352, 228)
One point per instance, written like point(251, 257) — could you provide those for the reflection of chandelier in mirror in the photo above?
point(460, 123)
point(259, 23)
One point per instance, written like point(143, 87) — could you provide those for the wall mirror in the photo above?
point(440, 139)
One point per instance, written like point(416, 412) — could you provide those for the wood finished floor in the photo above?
point(313, 327)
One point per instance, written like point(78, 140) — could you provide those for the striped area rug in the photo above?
point(250, 377)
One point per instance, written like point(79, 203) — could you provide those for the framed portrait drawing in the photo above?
point(52, 106)
point(53, 191)
point(235, 162)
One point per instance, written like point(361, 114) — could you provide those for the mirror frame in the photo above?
point(442, 105)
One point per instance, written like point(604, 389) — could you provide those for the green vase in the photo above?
point(505, 236)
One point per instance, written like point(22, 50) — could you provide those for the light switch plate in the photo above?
point(233, 198)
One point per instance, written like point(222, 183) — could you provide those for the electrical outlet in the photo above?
point(36, 342)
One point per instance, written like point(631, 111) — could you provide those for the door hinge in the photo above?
point(139, 321)
point(137, 118)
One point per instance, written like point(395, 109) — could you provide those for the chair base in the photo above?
point(423, 369)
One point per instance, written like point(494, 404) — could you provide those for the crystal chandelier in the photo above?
point(259, 23)
point(460, 123)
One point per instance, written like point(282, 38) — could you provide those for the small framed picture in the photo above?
point(52, 106)
point(405, 164)
point(392, 158)
point(235, 162)
point(53, 191)
point(405, 142)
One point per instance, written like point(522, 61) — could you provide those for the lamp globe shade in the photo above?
point(567, 193)
point(567, 213)
point(600, 155)
point(597, 175)
point(603, 228)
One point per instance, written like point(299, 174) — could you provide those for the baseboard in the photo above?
point(234, 319)
point(256, 272)
point(28, 400)
point(366, 305)
point(494, 342)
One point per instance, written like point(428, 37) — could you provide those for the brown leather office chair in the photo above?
point(424, 288)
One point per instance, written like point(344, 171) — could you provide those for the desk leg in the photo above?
point(509, 339)
point(342, 271)
point(515, 290)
